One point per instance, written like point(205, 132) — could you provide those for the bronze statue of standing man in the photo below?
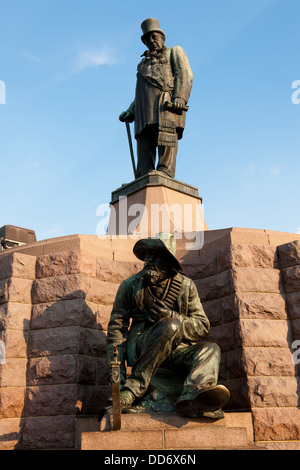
point(163, 87)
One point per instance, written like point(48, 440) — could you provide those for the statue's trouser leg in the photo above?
point(201, 361)
point(167, 159)
point(146, 151)
point(153, 347)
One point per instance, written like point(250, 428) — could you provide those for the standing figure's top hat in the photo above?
point(151, 25)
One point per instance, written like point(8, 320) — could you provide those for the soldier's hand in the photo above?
point(126, 116)
point(158, 311)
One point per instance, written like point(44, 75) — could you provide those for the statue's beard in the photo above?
point(155, 52)
point(153, 275)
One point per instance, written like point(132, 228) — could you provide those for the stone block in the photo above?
point(10, 433)
point(267, 392)
point(56, 341)
point(61, 244)
point(159, 434)
point(276, 424)
point(15, 290)
point(17, 265)
point(214, 309)
point(49, 432)
point(239, 394)
point(257, 305)
point(227, 336)
point(215, 287)
point(93, 343)
point(289, 254)
point(64, 313)
point(54, 400)
point(205, 438)
point(66, 369)
point(68, 262)
point(257, 280)
point(125, 255)
point(102, 371)
point(293, 305)
point(123, 440)
point(296, 329)
point(73, 286)
point(223, 375)
point(95, 399)
point(122, 247)
point(103, 315)
point(276, 238)
point(52, 289)
point(116, 271)
point(262, 280)
point(87, 372)
point(265, 333)
point(259, 361)
point(201, 266)
point(13, 372)
point(253, 305)
point(15, 316)
point(15, 343)
point(279, 445)
point(66, 340)
point(100, 292)
point(291, 279)
point(12, 401)
point(171, 420)
point(256, 256)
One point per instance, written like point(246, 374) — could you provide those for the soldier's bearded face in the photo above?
point(155, 268)
point(154, 41)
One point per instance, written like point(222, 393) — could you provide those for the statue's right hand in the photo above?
point(126, 116)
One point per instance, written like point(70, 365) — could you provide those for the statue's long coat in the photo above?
point(158, 81)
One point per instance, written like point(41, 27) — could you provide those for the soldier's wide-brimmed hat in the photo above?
point(163, 243)
point(151, 25)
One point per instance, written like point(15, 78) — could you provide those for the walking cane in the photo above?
point(130, 147)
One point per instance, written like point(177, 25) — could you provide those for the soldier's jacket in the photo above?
point(158, 81)
point(130, 311)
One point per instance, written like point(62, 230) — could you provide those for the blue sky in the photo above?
point(69, 68)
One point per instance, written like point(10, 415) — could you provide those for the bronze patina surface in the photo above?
point(160, 329)
point(163, 87)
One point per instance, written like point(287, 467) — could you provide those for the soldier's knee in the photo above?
point(172, 327)
point(215, 349)
point(212, 349)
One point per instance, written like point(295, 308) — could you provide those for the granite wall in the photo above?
point(55, 302)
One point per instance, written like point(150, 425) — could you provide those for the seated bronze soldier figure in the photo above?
point(159, 326)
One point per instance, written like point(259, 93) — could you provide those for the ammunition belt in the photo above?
point(173, 292)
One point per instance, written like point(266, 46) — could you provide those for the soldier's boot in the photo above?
point(208, 399)
point(126, 398)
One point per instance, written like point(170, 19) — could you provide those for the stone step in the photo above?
point(183, 439)
point(156, 431)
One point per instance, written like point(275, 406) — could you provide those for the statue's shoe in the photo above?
point(206, 400)
point(126, 398)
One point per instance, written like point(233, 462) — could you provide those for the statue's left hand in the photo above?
point(178, 103)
